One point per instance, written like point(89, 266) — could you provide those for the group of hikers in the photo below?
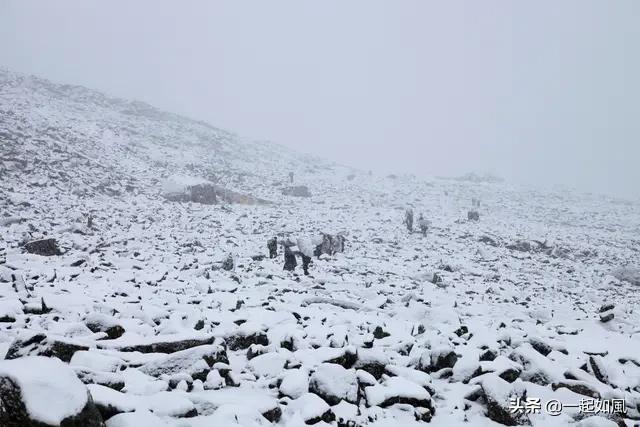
point(423, 224)
point(330, 244)
point(306, 247)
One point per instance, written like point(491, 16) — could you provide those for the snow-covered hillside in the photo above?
point(171, 313)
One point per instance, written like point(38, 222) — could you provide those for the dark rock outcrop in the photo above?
point(52, 376)
point(41, 345)
point(168, 346)
point(44, 247)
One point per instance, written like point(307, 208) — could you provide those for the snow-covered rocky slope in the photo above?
point(536, 300)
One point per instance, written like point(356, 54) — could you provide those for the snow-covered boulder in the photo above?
point(334, 383)
point(43, 345)
point(372, 360)
point(311, 409)
point(437, 359)
point(98, 322)
point(498, 395)
point(195, 362)
point(267, 365)
point(40, 391)
point(246, 335)
point(295, 383)
point(396, 390)
point(137, 419)
point(96, 361)
point(168, 345)
point(10, 309)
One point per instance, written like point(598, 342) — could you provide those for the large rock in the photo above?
point(311, 409)
point(42, 345)
point(196, 362)
point(44, 247)
point(98, 322)
point(178, 188)
point(498, 396)
point(520, 246)
point(437, 359)
point(398, 390)
point(297, 191)
point(245, 338)
point(44, 392)
point(167, 346)
point(334, 383)
point(372, 361)
point(181, 188)
point(295, 383)
point(199, 193)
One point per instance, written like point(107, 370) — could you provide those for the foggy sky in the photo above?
point(539, 92)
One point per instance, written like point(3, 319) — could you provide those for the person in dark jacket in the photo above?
point(290, 262)
point(272, 245)
point(305, 264)
point(408, 219)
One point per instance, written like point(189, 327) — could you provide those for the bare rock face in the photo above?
point(297, 191)
point(473, 216)
point(44, 247)
point(41, 392)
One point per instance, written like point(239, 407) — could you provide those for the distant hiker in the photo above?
point(423, 224)
point(305, 263)
point(408, 219)
point(291, 177)
point(290, 262)
point(272, 245)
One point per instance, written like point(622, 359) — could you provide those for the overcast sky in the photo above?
point(535, 91)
